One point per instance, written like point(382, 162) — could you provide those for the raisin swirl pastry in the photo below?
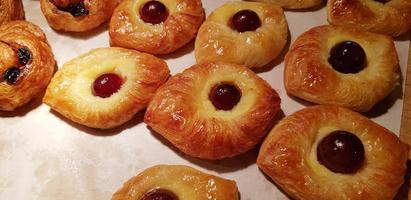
point(176, 182)
point(105, 87)
point(293, 4)
point(77, 15)
point(341, 66)
point(11, 10)
point(390, 17)
point(26, 63)
point(213, 110)
point(328, 152)
point(156, 27)
point(245, 33)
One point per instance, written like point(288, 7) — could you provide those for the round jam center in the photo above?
point(154, 12)
point(224, 96)
point(23, 55)
point(11, 75)
point(245, 20)
point(341, 152)
point(159, 194)
point(347, 57)
point(106, 85)
point(75, 8)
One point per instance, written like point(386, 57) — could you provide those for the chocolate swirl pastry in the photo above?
point(11, 10)
point(26, 63)
point(341, 66)
point(77, 15)
point(213, 110)
point(156, 27)
point(176, 182)
point(390, 17)
point(244, 33)
point(105, 87)
point(328, 152)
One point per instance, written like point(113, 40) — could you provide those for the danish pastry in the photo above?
point(293, 4)
point(11, 10)
point(156, 27)
point(213, 110)
point(77, 15)
point(341, 66)
point(245, 33)
point(174, 182)
point(390, 17)
point(328, 152)
point(105, 87)
point(26, 63)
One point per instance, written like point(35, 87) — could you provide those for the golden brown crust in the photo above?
point(185, 182)
point(182, 112)
point(308, 74)
point(99, 11)
point(392, 18)
point(128, 30)
point(217, 41)
point(70, 91)
point(293, 4)
point(35, 75)
point(11, 10)
point(288, 156)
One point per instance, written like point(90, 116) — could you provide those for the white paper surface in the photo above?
point(45, 156)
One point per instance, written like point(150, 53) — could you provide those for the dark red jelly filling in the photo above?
point(224, 96)
point(159, 194)
point(106, 85)
point(347, 57)
point(154, 12)
point(245, 20)
point(76, 9)
point(23, 55)
point(341, 152)
point(11, 75)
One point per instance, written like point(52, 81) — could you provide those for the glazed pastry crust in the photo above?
point(128, 30)
point(35, 75)
point(392, 18)
point(11, 10)
point(308, 74)
point(293, 4)
point(182, 112)
point(288, 156)
point(217, 41)
point(100, 11)
point(186, 182)
point(70, 91)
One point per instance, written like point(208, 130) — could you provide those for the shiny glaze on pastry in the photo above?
point(176, 182)
point(26, 63)
point(105, 87)
point(310, 75)
point(77, 15)
point(217, 40)
point(289, 155)
point(178, 26)
point(293, 4)
point(390, 17)
point(213, 110)
point(11, 10)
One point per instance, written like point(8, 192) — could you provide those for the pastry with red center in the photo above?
point(328, 152)
point(26, 63)
point(155, 26)
point(245, 33)
point(213, 110)
point(77, 15)
point(105, 87)
point(176, 182)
